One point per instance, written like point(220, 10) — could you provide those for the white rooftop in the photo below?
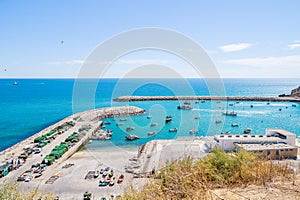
point(281, 131)
point(257, 147)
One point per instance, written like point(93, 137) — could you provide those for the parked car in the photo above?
point(38, 175)
point(21, 178)
point(28, 178)
point(103, 183)
point(96, 174)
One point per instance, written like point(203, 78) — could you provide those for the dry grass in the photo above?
point(9, 191)
point(191, 179)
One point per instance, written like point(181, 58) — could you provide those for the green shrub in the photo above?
point(192, 179)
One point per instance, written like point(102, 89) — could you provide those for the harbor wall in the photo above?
point(86, 116)
point(220, 98)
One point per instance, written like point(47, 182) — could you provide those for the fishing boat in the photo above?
point(218, 121)
point(129, 128)
point(109, 133)
point(230, 113)
point(149, 117)
point(131, 137)
point(15, 83)
point(234, 125)
point(173, 130)
point(197, 117)
point(153, 124)
point(247, 130)
point(151, 133)
point(193, 131)
point(185, 107)
point(168, 119)
point(187, 103)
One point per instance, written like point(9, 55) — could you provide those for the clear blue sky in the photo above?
point(252, 38)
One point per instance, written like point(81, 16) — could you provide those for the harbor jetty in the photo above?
point(68, 134)
point(218, 98)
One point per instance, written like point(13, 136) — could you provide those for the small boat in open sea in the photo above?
point(173, 130)
point(131, 137)
point(15, 83)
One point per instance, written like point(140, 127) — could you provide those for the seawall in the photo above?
point(85, 117)
point(219, 98)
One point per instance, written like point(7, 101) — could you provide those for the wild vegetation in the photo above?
point(9, 191)
point(189, 178)
point(194, 179)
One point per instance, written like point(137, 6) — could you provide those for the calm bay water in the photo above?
point(34, 104)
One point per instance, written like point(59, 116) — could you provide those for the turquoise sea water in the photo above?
point(34, 104)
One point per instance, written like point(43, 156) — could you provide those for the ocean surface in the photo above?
point(34, 104)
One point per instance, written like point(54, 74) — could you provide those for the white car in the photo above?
point(28, 177)
point(96, 174)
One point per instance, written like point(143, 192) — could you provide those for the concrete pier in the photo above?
point(219, 98)
point(91, 118)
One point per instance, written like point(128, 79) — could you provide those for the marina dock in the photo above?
point(217, 98)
